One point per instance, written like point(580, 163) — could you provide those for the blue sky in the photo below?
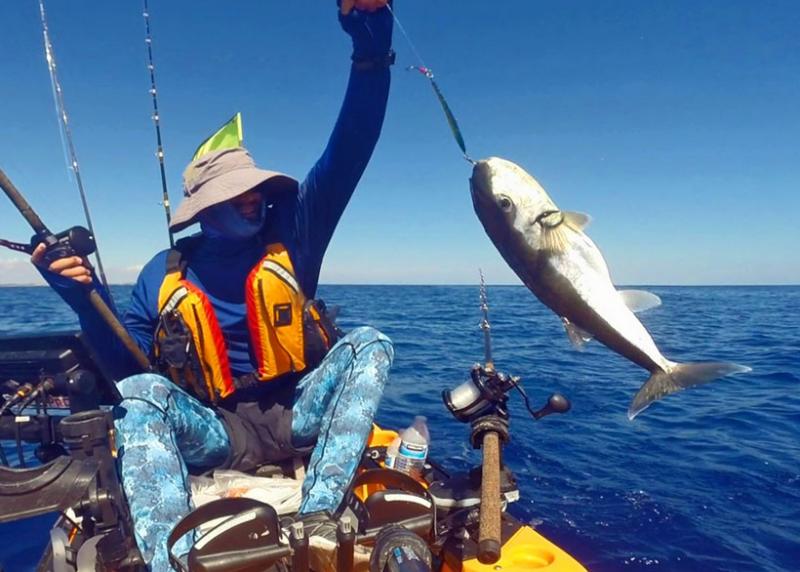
point(674, 124)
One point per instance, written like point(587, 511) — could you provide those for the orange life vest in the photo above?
point(288, 332)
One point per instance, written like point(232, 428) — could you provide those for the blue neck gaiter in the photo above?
point(224, 221)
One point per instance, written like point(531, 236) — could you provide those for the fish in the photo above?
point(552, 255)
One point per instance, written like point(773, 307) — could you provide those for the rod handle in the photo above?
point(489, 531)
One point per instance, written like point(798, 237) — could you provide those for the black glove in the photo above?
point(372, 35)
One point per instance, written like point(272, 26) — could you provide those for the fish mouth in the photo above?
point(479, 197)
point(480, 184)
point(543, 216)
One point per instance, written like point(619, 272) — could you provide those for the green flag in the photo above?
point(228, 136)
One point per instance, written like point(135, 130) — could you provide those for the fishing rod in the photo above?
point(61, 111)
point(76, 241)
point(485, 326)
point(428, 73)
point(490, 431)
point(148, 40)
point(482, 402)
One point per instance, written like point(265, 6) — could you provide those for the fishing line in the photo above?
point(428, 73)
point(485, 326)
point(66, 134)
point(406, 36)
point(148, 40)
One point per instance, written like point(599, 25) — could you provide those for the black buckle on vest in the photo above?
point(282, 314)
point(245, 381)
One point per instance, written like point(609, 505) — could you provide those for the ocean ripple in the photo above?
point(708, 479)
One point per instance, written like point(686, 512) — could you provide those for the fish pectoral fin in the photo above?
point(578, 221)
point(555, 240)
point(577, 336)
point(680, 376)
point(639, 300)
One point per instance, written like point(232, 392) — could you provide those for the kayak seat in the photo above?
point(393, 506)
point(245, 537)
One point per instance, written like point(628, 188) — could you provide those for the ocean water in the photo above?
point(707, 479)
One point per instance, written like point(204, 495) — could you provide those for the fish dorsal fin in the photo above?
point(639, 300)
point(578, 221)
point(577, 336)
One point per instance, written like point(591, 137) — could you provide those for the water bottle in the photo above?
point(391, 452)
point(408, 452)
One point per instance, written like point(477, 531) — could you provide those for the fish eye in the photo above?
point(544, 218)
point(505, 203)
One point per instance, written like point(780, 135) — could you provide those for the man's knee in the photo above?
point(146, 386)
point(367, 337)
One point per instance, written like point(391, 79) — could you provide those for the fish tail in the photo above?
point(679, 376)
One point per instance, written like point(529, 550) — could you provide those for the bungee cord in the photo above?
point(428, 73)
point(66, 139)
point(148, 40)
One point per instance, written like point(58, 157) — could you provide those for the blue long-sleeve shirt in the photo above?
point(304, 223)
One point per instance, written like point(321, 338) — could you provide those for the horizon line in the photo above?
point(464, 284)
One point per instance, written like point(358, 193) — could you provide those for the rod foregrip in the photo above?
point(489, 531)
point(22, 205)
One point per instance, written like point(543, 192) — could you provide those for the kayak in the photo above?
point(58, 396)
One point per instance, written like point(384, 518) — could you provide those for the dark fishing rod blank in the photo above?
point(22, 205)
point(148, 40)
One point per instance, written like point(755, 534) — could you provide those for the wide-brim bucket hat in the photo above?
point(220, 176)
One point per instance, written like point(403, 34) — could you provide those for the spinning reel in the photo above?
point(486, 390)
point(481, 401)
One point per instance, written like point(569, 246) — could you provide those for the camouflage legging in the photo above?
point(160, 429)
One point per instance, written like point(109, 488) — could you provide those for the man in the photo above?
point(230, 316)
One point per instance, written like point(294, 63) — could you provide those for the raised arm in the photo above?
point(327, 189)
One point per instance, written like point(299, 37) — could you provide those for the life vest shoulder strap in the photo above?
point(180, 301)
point(175, 261)
point(175, 269)
point(277, 261)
